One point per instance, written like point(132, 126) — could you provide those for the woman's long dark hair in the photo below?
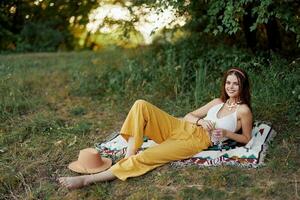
point(244, 89)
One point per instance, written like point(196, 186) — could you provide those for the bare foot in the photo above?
point(73, 182)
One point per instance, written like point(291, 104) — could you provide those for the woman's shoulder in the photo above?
point(244, 109)
point(212, 103)
point(216, 101)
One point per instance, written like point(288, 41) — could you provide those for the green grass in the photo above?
point(54, 104)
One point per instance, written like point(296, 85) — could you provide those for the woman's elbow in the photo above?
point(247, 139)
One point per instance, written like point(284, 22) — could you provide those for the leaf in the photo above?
point(215, 32)
point(235, 29)
point(253, 27)
point(220, 28)
point(293, 29)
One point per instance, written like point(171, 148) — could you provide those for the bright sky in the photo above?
point(150, 20)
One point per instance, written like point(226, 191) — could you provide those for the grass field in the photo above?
point(54, 104)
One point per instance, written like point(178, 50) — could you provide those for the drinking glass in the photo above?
point(217, 138)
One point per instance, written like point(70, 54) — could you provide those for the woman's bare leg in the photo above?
point(81, 181)
point(130, 147)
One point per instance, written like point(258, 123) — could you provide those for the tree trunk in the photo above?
point(274, 40)
point(248, 21)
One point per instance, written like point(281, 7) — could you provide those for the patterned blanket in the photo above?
point(250, 155)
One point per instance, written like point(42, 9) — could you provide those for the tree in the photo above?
point(256, 24)
point(267, 24)
point(26, 25)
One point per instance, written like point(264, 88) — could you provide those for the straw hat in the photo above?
point(89, 162)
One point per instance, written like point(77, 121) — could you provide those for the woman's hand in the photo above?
point(217, 136)
point(219, 133)
point(207, 124)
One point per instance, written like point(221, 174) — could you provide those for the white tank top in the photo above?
point(228, 122)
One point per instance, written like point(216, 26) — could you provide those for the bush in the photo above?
point(190, 77)
point(38, 37)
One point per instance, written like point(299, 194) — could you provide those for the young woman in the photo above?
point(178, 138)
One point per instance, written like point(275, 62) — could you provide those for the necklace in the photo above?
point(231, 105)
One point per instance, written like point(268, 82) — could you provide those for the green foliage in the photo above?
point(263, 13)
point(192, 76)
point(38, 37)
point(45, 25)
point(5, 37)
point(227, 16)
point(88, 84)
point(40, 25)
point(235, 19)
point(200, 85)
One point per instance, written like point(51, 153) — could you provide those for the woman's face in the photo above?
point(232, 86)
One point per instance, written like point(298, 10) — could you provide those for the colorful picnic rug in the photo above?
point(250, 155)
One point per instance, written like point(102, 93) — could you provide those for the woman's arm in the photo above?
point(246, 118)
point(201, 112)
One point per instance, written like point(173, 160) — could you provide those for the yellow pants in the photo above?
point(177, 139)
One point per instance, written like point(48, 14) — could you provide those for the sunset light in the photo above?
point(150, 21)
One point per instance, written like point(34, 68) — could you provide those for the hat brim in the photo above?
point(77, 167)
